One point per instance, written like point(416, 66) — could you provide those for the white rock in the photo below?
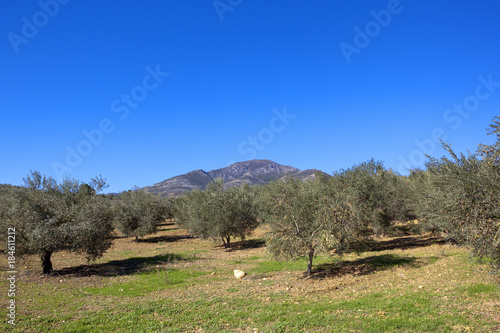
point(239, 274)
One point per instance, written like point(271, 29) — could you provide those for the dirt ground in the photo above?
point(354, 274)
point(407, 264)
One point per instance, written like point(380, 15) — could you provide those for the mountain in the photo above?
point(253, 172)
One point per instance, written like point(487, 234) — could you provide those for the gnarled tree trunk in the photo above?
point(226, 241)
point(46, 263)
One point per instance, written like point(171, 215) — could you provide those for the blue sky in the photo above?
point(143, 91)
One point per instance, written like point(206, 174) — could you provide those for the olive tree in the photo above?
point(379, 196)
point(218, 212)
point(306, 217)
point(138, 213)
point(462, 198)
point(50, 217)
point(242, 207)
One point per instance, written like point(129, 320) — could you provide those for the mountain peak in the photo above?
point(252, 172)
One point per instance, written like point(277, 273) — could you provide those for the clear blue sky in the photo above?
point(348, 81)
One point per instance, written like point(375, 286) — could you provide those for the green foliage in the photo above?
point(379, 197)
point(138, 213)
point(462, 198)
point(307, 217)
point(50, 217)
point(218, 213)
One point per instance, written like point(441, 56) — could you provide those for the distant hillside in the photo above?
point(254, 172)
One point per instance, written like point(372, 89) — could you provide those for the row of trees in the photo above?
point(305, 217)
point(457, 196)
point(328, 213)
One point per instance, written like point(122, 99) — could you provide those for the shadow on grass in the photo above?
point(403, 243)
point(364, 266)
point(122, 267)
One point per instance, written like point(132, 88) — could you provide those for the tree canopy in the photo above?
point(309, 216)
point(218, 213)
point(460, 197)
point(379, 196)
point(138, 213)
point(50, 217)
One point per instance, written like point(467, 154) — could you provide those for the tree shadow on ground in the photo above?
point(165, 238)
point(167, 229)
point(403, 243)
point(246, 244)
point(166, 224)
point(364, 266)
point(122, 267)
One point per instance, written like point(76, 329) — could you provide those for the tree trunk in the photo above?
point(226, 241)
point(136, 239)
point(310, 262)
point(46, 263)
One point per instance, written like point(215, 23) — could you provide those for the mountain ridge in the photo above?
point(252, 172)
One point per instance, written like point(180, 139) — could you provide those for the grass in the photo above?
point(144, 283)
point(270, 266)
point(187, 285)
point(480, 288)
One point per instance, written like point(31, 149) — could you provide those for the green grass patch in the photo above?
point(255, 258)
point(376, 312)
point(480, 288)
point(300, 264)
point(167, 257)
point(278, 266)
point(146, 282)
